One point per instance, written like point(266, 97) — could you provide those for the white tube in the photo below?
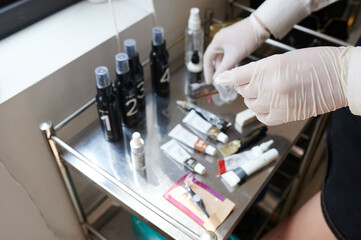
point(183, 135)
point(236, 160)
point(249, 167)
point(176, 152)
point(210, 117)
point(267, 157)
point(197, 122)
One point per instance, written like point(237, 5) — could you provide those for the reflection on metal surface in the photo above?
point(109, 164)
point(106, 176)
point(161, 105)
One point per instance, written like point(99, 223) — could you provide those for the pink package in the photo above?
point(217, 206)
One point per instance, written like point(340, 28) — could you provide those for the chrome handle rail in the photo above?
point(300, 28)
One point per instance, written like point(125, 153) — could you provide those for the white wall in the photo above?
point(33, 201)
point(36, 205)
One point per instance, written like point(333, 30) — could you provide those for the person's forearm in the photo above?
point(280, 15)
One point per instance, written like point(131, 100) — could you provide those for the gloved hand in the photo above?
point(231, 44)
point(293, 86)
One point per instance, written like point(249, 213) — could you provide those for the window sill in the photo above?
point(34, 53)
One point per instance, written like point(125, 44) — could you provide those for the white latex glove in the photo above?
point(231, 44)
point(228, 47)
point(296, 85)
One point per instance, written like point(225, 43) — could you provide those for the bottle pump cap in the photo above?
point(194, 21)
point(102, 77)
point(137, 139)
point(136, 143)
point(121, 62)
point(158, 36)
point(130, 47)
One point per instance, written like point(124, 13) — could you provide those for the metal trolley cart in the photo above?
point(107, 165)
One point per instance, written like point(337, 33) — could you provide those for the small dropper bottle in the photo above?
point(159, 63)
point(125, 90)
point(137, 151)
point(136, 70)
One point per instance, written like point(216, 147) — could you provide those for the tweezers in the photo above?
point(196, 199)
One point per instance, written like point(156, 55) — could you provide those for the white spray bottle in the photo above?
point(194, 40)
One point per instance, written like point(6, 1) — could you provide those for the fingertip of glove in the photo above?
point(224, 79)
point(207, 77)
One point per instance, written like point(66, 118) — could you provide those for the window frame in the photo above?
point(20, 14)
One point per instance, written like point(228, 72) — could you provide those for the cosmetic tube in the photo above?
point(210, 117)
point(183, 135)
point(176, 152)
point(198, 123)
point(235, 160)
point(248, 168)
point(240, 144)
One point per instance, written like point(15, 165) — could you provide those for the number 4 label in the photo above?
point(165, 77)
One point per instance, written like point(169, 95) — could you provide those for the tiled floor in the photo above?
point(118, 227)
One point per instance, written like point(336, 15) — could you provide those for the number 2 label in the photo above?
point(133, 107)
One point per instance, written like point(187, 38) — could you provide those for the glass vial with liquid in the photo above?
point(136, 70)
point(137, 151)
point(159, 63)
point(126, 91)
point(107, 106)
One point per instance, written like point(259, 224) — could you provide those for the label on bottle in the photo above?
point(105, 120)
point(160, 73)
point(138, 160)
point(106, 124)
point(139, 81)
point(131, 107)
point(200, 145)
point(140, 88)
point(194, 77)
point(166, 76)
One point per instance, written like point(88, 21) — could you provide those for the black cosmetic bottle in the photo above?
point(107, 106)
point(159, 63)
point(126, 91)
point(136, 71)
